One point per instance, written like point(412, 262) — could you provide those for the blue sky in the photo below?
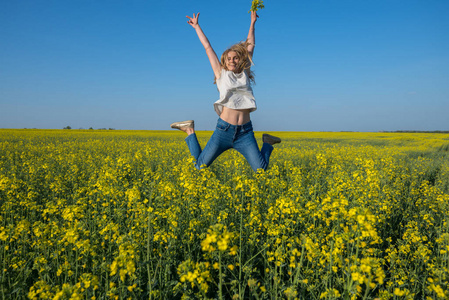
point(320, 65)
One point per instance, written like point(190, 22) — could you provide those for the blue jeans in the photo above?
point(227, 136)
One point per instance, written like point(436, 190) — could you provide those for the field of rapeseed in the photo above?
point(125, 215)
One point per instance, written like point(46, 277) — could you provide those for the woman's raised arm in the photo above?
point(214, 61)
point(251, 40)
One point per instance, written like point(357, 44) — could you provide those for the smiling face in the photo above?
point(237, 59)
point(232, 61)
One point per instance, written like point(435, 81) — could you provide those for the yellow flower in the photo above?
point(399, 292)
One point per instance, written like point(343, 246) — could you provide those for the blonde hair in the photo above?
point(245, 61)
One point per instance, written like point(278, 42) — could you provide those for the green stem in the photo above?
point(148, 259)
point(240, 249)
point(220, 277)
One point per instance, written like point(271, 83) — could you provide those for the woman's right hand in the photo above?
point(193, 21)
point(215, 63)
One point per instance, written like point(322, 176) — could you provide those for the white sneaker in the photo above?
point(183, 124)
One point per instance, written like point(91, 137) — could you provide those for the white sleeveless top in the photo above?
point(235, 92)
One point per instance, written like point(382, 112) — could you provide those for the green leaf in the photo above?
point(256, 5)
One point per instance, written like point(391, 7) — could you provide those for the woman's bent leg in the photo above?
point(215, 146)
point(266, 152)
point(194, 146)
point(247, 146)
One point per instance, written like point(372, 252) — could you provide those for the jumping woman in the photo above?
point(234, 129)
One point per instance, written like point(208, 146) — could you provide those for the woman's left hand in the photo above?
point(254, 17)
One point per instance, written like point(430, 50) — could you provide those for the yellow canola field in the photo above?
point(125, 215)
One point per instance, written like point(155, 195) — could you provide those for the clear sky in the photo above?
point(320, 65)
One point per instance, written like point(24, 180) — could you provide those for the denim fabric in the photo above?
point(227, 136)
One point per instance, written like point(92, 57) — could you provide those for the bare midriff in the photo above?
point(235, 116)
